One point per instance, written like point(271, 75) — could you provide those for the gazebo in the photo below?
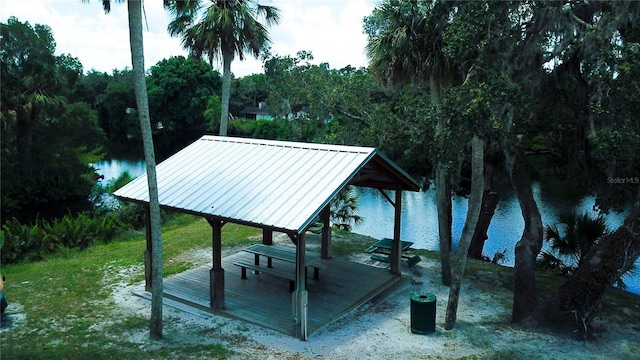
point(273, 185)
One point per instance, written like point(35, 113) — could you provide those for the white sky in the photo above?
point(330, 29)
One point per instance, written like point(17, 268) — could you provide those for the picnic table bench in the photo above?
point(277, 272)
point(381, 251)
point(286, 254)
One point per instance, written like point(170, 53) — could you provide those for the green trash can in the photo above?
point(423, 313)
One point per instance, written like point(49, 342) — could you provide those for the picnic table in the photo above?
point(286, 254)
point(386, 245)
point(381, 249)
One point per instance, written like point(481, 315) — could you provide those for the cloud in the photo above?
point(331, 29)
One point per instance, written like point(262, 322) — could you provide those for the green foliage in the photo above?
point(112, 97)
point(247, 91)
point(282, 98)
point(499, 257)
point(118, 104)
point(349, 106)
point(277, 129)
point(47, 142)
point(179, 91)
point(405, 41)
point(62, 181)
point(78, 126)
point(344, 209)
point(82, 231)
point(214, 30)
point(618, 144)
point(127, 213)
point(212, 113)
point(223, 30)
point(132, 214)
point(120, 181)
point(571, 240)
point(317, 93)
point(30, 69)
point(21, 242)
point(544, 77)
point(89, 87)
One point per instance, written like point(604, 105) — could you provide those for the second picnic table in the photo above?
point(383, 247)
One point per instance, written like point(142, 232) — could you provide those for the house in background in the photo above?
point(256, 113)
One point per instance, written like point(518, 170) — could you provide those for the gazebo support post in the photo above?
point(216, 274)
point(267, 236)
point(325, 249)
point(300, 295)
point(148, 271)
point(396, 252)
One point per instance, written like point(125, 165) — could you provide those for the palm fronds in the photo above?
point(571, 239)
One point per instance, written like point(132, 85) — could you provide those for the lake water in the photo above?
point(420, 221)
point(112, 168)
point(420, 216)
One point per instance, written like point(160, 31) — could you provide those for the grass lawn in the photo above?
point(65, 296)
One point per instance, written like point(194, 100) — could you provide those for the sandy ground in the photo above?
point(383, 330)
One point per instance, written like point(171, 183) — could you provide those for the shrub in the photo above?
point(33, 242)
point(277, 129)
point(19, 242)
point(132, 214)
point(571, 238)
point(81, 231)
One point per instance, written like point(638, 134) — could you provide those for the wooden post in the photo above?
point(148, 271)
point(396, 247)
point(267, 236)
point(300, 295)
point(216, 274)
point(325, 249)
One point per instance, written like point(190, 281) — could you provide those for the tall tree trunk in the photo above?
point(140, 87)
point(445, 219)
point(443, 192)
point(226, 91)
point(575, 303)
point(528, 247)
point(490, 200)
point(473, 211)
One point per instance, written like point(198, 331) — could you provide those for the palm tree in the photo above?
point(571, 238)
point(222, 29)
point(405, 45)
point(344, 209)
point(39, 88)
point(134, 8)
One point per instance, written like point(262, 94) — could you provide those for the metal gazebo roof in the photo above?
point(269, 184)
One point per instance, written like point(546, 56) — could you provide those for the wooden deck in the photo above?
point(266, 301)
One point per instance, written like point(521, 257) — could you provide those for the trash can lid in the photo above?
point(423, 297)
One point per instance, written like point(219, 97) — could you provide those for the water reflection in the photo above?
point(112, 168)
point(420, 221)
